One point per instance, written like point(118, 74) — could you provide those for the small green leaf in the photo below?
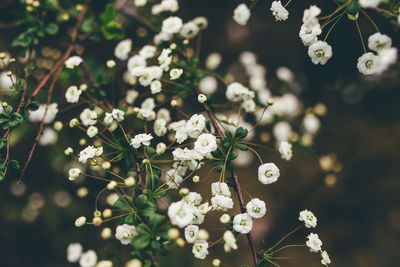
point(155, 221)
point(123, 202)
point(140, 242)
point(51, 28)
point(109, 14)
point(32, 106)
point(14, 165)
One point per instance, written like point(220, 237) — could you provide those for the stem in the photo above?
point(333, 25)
point(371, 20)
point(361, 37)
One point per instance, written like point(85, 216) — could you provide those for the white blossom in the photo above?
point(378, 41)
point(325, 260)
point(160, 127)
point(180, 214)
point(313, 242)
point(208, 85)
point(174, 74)
point(241, 14)
point(268, 173)
point(200, 249)
point(39, 114)
point(191, 232)
point(309, 33)
point(74, 252)
point(172, 25)
point(156, 87)
point(73, 62)
point(242, 223)
point(173, 179)
point(125, 233)
point(369, 3)
point(280, 13)
point(221, 203)
point(72, 94)
point(229, 241)
point(189, 30)
point(310, 15)
point(220, 188)
point(87, 153)
point(131, 96)
point(141, 139)
point(205, 144)
point(88, 117)
point(308, 218)
point(88, 259)
point(285, 148)
point(160, 148)
point(320, 52)
point(122, 49)
point(48, 137)
point(195, 125)
point(256, 208)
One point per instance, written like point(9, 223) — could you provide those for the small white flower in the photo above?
point(74, 173)
point(314, 243)
point(189, 30)
point(369, 3)
point(268, 173)
point(160, 127)
point(172, 25)
point(164, 114)
point(92, 131)
point(213, 60)
point(242, 223)
point(308, 33)
point(256, 208)
point(205, 144)
point(72, 94)
point(220, 188)
point(193, 198)
point(180, 214)
point(88, 153)
point(208, 85)
point(195, 125)
point(73, 62)
point(320, 52)
point(74, 252)
point(156, 87)
point(221, 203)
point(38, 115)
point(387, 57)
point(88, 259)
point(122, 49)
point(378, 41)
point(368, 64)
point(131, 96)
point(160, 148)
point(141, 139)
point(285, 148)
point(148, 51)
point(310, 16)
point(201, 98)
point(99, 151)
point(88, 117)
point(173, 179)
point(325, 260)
point(191, 232)
point(200, 249)
point(308, 218)
point(279, 11)
point(282, 130)
point(241, 14)
point(68, 151)
point(48, 137)
point(165, 59)
point(201, 22)
point(229, 241)
point(136, 64)
point(125, 233)
point(118, 114)
point(174, 74)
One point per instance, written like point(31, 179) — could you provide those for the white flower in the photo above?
point(160, 128)
point(191, 232)
point(308, 33)
point(325, 260)
point(285, 74)
point(204, 208)
point(165, 59)
point(201, 98)
point(74, 252)
point(48, 137)
point(282, 130)
point(160, 148)
point(320, 52)
point(279, 11)
point(387, 57)
point(242, 223)
point(173, 179)
point(148, 51)
point(172, 25)
point(311, 123)
point(88, 153)
point(249, 105)
point(268, 173)
point(88, 117)
point(195, 125)
point(72, 94)
point(108, 118)
point(200, 249)
point(220, 188)
point(208, 85)
point(236, 92)
point(256, 208)
point(205, 144)
point(99, 151)
point(92, 131)
point(368, 64)
point(180, 214)
point(122, 49)
point(79, 222)
point(74, 173)
point(213, 60)
point(241, 14)
point(88, 259)
point(285, 148)
point(229, 241)
point(174, 74)
point(155, 87)
point(313, 242)
point(193, 198)
point(141, 139)
point(310, 15)
point(131, 96)
point(125, 233)
point(221, 203)
point(308, 218)
point(73, 62)
point(118, 114)
point(198, 217)
point(38, 115)
point(189, 30)
point(148, 104)
point(378, 41)
point(201, 22)
point(136, 64)
point(164, 114)
point(369, 3)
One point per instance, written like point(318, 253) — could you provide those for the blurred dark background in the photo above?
point(358, 213)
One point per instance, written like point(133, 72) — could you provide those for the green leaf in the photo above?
point(14, 165)
point(51, 28)
point(353, 8)
point(155, 245)
point(155, 221)
point(113, 31)
point(32, 106)
point(129, 219)
point(88, 25)
point(140, 242)
point(241, 133)
point(122, 202)
point(109, 14)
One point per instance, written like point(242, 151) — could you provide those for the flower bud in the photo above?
point(74, 122)
point(106, 165)
point(180, 242)
point(172, 46)
point(112, 185)
point(202, 98)
point(4, 104)
point(2, 55)
point(83, 87)
point(110, 64)
point(82, 192)
point(82, 141)
point(130, 181)
point(203, 235)
point(80, 221)
point(184, 191)
point(225, 218)
point(97, 213)
point(133, 263)
point(173, 233)
point(270, 102)
point(58, 125)
point(160, 148)
point(97, 221)
point(196, 179)
point(174, 103)
point(68, 151)
point(216, 262)
point(106, 233)
point(107, 213)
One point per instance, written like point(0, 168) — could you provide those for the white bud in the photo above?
point(202, 98)
point(110, 64)
point(225, 218)
point(80, 221)
point(130, 181)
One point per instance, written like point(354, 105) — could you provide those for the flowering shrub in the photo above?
point(172, 121)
